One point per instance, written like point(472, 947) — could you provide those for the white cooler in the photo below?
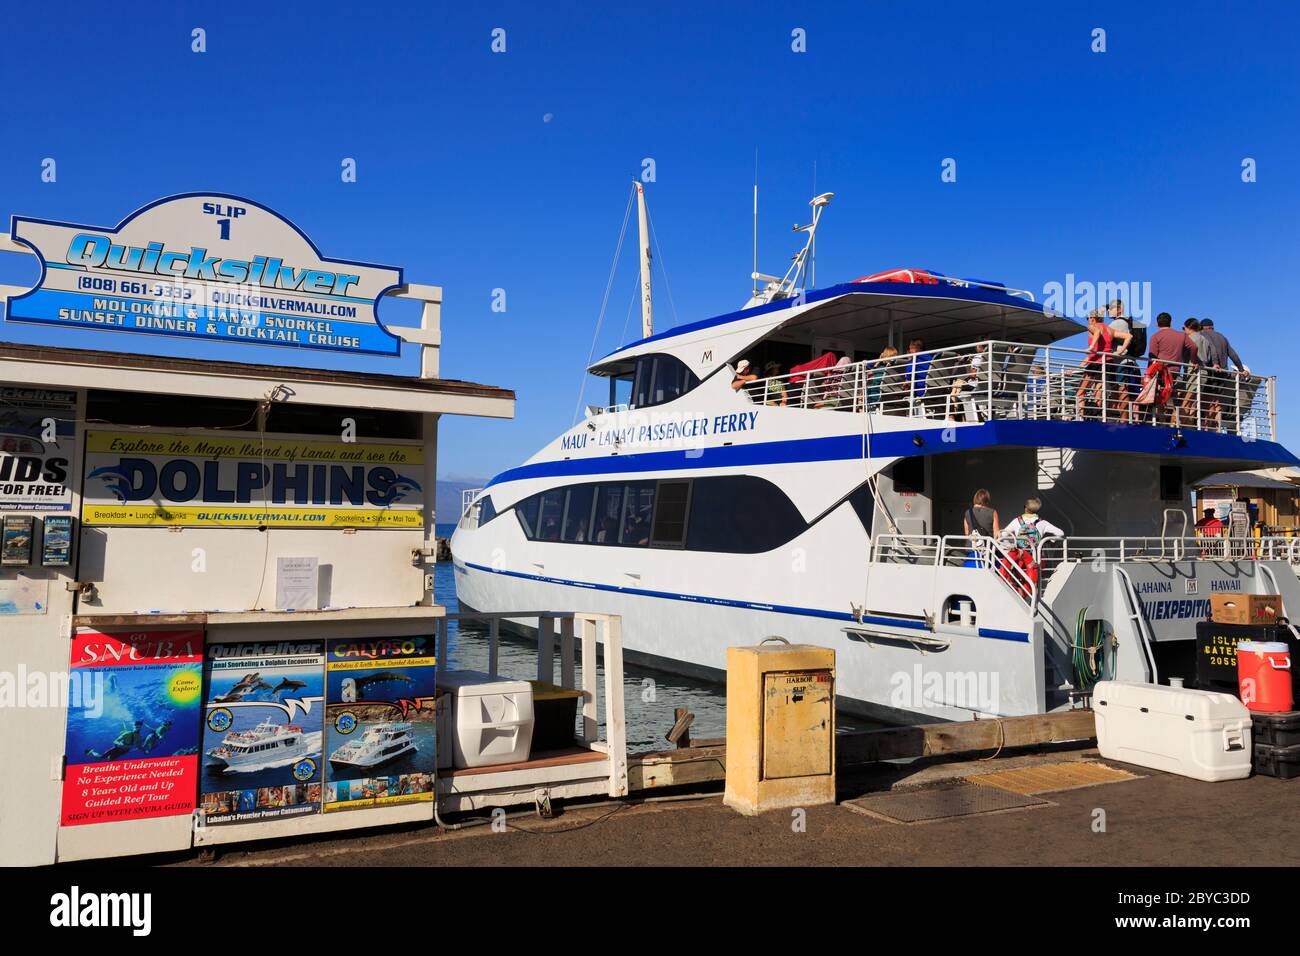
point(1195, 733)
point(491, 719)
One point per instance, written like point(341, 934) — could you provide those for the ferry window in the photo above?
point(1171, 483)
point(486, 510)
point(671, 500)
point(577, 515)
point(864, 503)
point(740, 514)
point(526, 512)
point(638, 507)
point(909, 476)
point(659, 379)
point(550, 510)
point(609, 511)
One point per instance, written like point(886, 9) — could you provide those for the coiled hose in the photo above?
point(1089, 651)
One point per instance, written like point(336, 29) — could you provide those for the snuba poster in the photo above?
point(379, 723)
point(133, 742)
point(262, 730)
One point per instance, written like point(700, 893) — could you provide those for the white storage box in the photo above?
point(1195, 733)
point(491, 719)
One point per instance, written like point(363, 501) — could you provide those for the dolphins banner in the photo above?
point(380, 743)
point(237, 480)
point(262, 730)
point(133, 725)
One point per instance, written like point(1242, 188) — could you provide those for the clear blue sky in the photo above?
point(1119, 166)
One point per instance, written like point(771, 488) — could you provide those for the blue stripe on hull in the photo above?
point(1020, 636)
point(1092, 436)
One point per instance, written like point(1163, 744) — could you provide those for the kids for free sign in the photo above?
point(204, 266)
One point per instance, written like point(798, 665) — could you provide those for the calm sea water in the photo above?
point(649, 696)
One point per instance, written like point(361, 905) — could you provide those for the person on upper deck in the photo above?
point(744, 375)
point(774, 391)
point(1168, 345)
point(1222, 387)
point(1194, 379)
point(981, 518)
point(920, 361)
point(1167, 352)
point(1126, 369)
point(1100, 346)
point(1221, 350)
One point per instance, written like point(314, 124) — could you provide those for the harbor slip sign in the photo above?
point(220, 479)
point(204, 266)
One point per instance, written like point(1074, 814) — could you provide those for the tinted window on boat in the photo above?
point(577, 514)
point(740, 514)
point(909, 476)
point(550, 511)
point(864, 503)
point(526, 512)
point(486, 510)
point(670, 514)
point(609, 514)
point(638, 507)
point(659, 379)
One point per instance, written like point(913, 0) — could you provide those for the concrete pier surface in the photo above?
point(1153, 819)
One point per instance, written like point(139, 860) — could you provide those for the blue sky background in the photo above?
point(1121, 166)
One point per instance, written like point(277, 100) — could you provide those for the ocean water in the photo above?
point(649, 696)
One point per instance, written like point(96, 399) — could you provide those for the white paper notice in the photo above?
point(297, 582)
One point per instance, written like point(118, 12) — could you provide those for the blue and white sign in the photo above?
point(206, 266)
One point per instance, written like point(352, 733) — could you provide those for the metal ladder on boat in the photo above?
point(1141, 626)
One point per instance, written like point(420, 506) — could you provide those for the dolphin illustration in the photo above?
point(116, 477)
point(401, 487)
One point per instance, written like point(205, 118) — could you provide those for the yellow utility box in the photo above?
point(780, 727)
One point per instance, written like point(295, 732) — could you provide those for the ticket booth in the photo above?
point(216, 587)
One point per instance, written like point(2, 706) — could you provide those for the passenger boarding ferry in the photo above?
point(826, 506)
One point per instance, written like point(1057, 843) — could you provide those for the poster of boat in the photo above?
point(133, 725)
point(262, 731)
point(379, 724)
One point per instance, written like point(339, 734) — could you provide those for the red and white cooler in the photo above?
point(1264, 676)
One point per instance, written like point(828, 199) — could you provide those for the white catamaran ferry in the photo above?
point(826, 505)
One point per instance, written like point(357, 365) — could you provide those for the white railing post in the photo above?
point(546, 648)
point(566, 652)
point(590, 682)
point(615, 723)
point(1105, 392)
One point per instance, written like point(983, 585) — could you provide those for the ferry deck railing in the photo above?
point(467, 497)
point(980, 552)
point(1008, 380)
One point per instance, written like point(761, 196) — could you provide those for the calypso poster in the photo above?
point(36, 449)
point(132, 747)
point(379, 726)
point(220, 479)
point(262, 731)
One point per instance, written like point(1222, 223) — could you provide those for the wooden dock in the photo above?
point(707, 764)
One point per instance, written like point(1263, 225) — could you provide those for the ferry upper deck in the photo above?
point(966, 352)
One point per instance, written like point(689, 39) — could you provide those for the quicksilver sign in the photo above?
point(205, 266)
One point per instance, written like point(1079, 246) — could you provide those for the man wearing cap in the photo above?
point(743, 376)
point(1220, 351)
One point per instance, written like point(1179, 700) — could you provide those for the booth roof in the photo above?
point(57, 367)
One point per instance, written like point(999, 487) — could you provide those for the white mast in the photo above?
point(647, 319)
